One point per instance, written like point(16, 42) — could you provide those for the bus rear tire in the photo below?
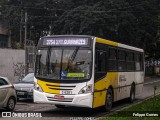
point(60, 106)
point(132, 94)
point(109, 100)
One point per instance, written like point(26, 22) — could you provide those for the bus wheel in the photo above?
point(109, 100)
point(60, 106)
point(132, 94)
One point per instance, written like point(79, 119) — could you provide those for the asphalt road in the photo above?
point(74, 113)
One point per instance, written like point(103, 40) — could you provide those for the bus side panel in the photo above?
point(101, 86)
point(139, 79)
point(99, 93)
point(112, 77)
point(125, 80)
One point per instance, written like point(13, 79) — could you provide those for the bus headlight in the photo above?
point(86, 89)
point(37, 87)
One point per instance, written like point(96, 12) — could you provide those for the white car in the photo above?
point(24, 88)
point(8, 96)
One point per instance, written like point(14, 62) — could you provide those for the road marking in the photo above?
point(151, 82)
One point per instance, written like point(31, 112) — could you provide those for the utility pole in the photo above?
point(21, 29)
point(20, 34)
point(25, 45)
point(9, 35)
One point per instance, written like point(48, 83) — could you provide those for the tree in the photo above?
point(126, 21)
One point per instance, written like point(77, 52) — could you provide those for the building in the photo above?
point(4, 35)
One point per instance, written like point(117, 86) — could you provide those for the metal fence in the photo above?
point(152, 67)
point(30, 51)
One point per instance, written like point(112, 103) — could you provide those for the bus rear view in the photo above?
point(63, 71)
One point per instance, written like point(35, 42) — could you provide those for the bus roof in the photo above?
point(116, 44)
point(130, 47)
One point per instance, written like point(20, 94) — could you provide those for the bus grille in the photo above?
point(65, 99)
point(61, 87)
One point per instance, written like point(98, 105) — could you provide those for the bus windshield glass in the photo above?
point(64, 64)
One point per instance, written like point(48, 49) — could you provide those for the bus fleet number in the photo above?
point(67, 92)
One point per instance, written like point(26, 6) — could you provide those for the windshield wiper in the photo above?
point(72, 57)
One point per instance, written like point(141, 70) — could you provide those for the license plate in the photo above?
point(66, 92)
point(59, 97)
point(20, 93)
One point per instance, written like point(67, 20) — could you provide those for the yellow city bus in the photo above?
point(86, 71)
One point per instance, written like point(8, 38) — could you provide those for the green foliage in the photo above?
point(148, 106)
point(128, 22)
point(132, 22)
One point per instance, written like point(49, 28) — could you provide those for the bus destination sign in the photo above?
point(65, 41)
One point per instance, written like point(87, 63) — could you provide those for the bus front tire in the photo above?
point(109, 100)
point(60, 106)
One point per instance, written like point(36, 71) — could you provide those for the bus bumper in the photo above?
point(79, 100)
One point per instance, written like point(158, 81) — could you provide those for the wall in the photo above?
point(12, 64)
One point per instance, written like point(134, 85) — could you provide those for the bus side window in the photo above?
point(121, 60)
point(142, 62)
point(100, 64)
point(130, 61)
point(138, 62)
point(112, 60)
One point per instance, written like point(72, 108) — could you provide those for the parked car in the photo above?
point(8, 96)
point(24, 88)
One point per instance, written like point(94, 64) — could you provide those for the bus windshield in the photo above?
point(59, 63)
